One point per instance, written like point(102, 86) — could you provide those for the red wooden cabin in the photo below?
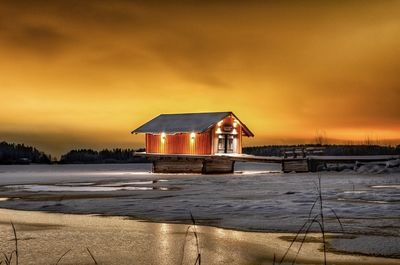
point(194, 133)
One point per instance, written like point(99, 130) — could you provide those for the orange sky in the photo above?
point(83, 74)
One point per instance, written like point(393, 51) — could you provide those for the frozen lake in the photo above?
point(257, 197)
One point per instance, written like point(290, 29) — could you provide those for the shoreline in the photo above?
point(188, 221)
point(44, 237)
point(199, 222)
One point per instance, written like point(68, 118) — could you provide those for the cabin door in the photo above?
point(225, 143)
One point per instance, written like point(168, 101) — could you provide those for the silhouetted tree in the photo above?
point(89, 156)
point(320, 138)
point(364, 149)
point(21, 154)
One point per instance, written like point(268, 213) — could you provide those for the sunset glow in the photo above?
point(83, 74)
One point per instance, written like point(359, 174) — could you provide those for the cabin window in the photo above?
point(230, 144)
point(221, 143)
point(225, 143)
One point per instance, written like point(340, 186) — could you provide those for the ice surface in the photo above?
point(55, 188)
point(387, 246)
point(256, 197)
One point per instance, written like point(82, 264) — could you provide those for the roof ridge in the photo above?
point(188, 113)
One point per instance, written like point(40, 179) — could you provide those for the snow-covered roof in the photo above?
point(186, 123)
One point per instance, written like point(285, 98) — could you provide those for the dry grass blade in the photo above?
point(319, 219)
point(193, 227)
point(322, 217)
point(16, 243)
point(184, 244)
point(312, 208)
point(297, 236)
point(305, 235)
point(197, 241)
point(62, 256)
point(299, 232)
point(191, 217)
point(91, 255)
point(337, 218)
point(292, 242)
point(316, 186)
point(7, 259)
point(198, 259)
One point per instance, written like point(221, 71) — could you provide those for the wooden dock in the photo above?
point(316, 163)
point(214, 164)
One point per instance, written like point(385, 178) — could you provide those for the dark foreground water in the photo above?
point(257, 197)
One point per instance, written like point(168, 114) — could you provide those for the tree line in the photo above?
point(11, 153)
point(89, 156)
point(327, 149)
point(22, 154)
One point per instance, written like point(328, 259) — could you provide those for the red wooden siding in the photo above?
point(203, 144)
point(179, 144)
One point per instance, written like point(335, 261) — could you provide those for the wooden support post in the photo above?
point(177, 166)
point(219, 166)
point(193, 165)
point(313, 165)
point(295, 165)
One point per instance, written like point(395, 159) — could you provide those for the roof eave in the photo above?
point(212, 125)
point(246, 129)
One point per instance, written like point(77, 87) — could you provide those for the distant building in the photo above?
point(194, 133)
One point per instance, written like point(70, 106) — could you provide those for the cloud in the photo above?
point(286, 68)
point(39, 40)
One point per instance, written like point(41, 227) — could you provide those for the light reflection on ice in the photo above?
point(394, 186)
point(255, 172)
point(362, 201)
point(112, 173)
point(119, 184)
point(76, 184)
point(54, 188)
point(355, 191)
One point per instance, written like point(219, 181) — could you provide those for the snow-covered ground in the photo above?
point(256, 197)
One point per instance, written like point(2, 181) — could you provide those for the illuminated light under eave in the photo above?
point(219, 130)
point(192, 136)
point(162, 137)
point(219, 123)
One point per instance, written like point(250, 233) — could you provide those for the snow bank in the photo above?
point(391, 166)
